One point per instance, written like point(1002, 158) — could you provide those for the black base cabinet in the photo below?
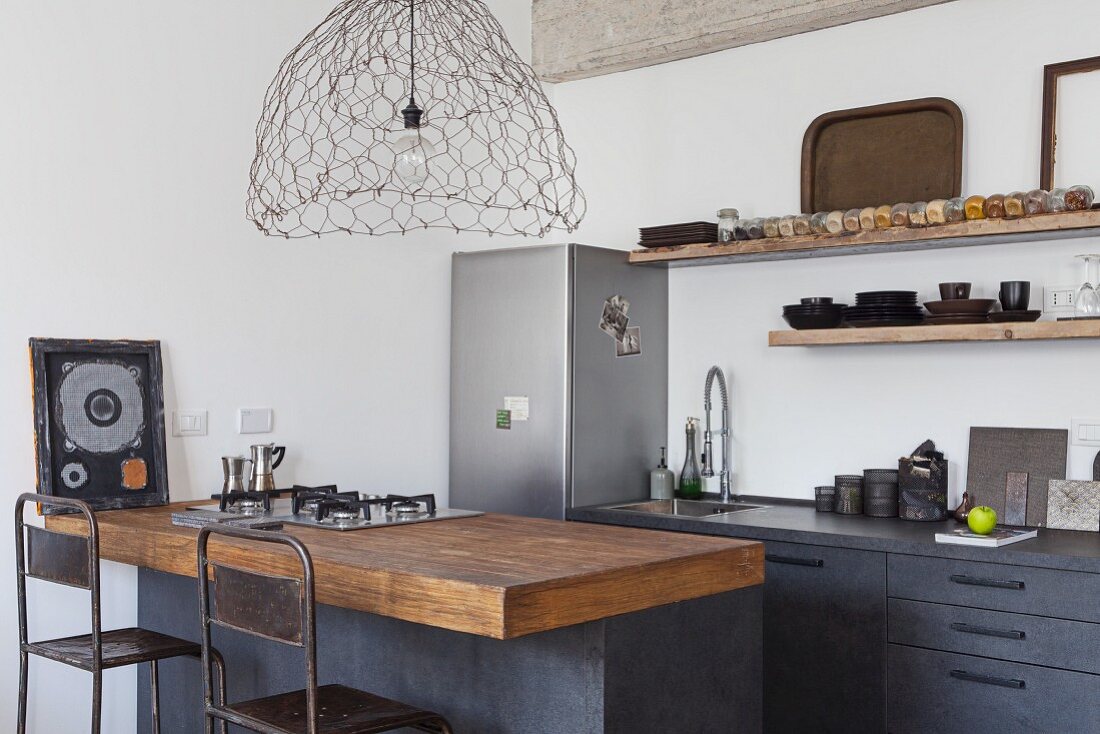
point(824, 639)
point(911, 637)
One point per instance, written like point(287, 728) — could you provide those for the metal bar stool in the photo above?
point(283, 609)
point(73, 560)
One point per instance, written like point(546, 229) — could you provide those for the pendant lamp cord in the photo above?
point(412, 53)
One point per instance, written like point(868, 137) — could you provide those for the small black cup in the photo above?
point(954, 291)
point(1015, 295)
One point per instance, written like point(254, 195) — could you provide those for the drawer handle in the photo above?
point(991, 631)
point(987, 679)
point(815, 562)
point(993, 583)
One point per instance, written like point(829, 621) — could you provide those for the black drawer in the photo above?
point(942, 692)
point(1041, 591)
point(1023, 638)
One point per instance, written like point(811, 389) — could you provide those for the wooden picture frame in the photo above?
point(1051, 74)
point(99, 421)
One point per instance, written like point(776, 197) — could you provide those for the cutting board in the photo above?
point(994, 452)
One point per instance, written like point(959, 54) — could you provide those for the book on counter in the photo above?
point(1000, 536)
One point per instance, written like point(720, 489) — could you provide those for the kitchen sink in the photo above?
point(688, 508)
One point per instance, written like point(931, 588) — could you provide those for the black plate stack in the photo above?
point(814, 313)
point(687, 233)
point(885, 308)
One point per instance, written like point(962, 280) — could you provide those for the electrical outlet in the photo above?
point(1059, 298)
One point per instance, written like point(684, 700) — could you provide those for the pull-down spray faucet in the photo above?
point(723, 435)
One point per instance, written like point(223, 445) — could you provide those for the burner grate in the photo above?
point(244, 501)
point(405, 505)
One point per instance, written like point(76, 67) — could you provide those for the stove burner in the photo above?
point(340, 508)
point(347, 507)
point(402, 506)
point(244, 503)
point(406, 508)
point(307, 498)
point(343, 515)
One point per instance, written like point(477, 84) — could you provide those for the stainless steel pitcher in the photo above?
point(233, 469)
point(265, 458)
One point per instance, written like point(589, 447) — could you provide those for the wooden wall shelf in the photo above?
point(927, 334)
point(1064, 225)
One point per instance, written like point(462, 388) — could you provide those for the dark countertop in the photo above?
point(798, 522)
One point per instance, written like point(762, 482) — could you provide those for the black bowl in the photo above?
point(816, 301)
point(814, 307)
point(822, 320)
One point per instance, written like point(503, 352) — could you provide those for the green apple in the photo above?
point(982, 520)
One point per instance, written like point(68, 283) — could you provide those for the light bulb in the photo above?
point(411, 153)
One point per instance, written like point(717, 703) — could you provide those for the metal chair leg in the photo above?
point(97, 699)
point(154, 693)
point(219, 663)
point(21, 720)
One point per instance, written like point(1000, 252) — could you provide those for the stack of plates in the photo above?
point(688, 233)
point(960, 311)
point(885, 308)
point(814, 313)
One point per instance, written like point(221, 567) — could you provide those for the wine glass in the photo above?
point(1087, 303)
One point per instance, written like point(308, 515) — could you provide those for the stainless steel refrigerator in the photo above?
point(548, 409)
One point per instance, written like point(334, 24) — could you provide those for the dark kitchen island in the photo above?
point(501, 623)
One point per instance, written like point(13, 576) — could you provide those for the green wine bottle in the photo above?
point(691, 480)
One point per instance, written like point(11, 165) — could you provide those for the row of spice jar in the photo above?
point(919, 214)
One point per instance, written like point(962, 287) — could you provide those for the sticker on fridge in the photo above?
point(519, 406)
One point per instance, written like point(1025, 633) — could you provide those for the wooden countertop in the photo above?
point(495, 575)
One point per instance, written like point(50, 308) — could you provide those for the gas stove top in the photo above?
point(328, 508)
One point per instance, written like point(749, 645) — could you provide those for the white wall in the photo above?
point(675, 142)
point(125, 142)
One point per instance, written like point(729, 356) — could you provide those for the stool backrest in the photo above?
point(274, 607)
point(60, 558)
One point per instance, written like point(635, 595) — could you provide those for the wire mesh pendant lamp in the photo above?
point(396, 115)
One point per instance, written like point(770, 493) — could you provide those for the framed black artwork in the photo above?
point(99, 421)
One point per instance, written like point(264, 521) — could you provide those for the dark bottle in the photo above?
point(691, 479)
point(964, 508)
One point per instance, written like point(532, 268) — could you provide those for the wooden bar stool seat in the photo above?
point(73, 560)
point(282, 609)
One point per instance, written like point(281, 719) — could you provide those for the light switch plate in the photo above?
point(189, 423)
point(255, 420)
point(1085, 432)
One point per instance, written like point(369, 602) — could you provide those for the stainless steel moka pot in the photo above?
point(233, 469)
point(264, 462)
